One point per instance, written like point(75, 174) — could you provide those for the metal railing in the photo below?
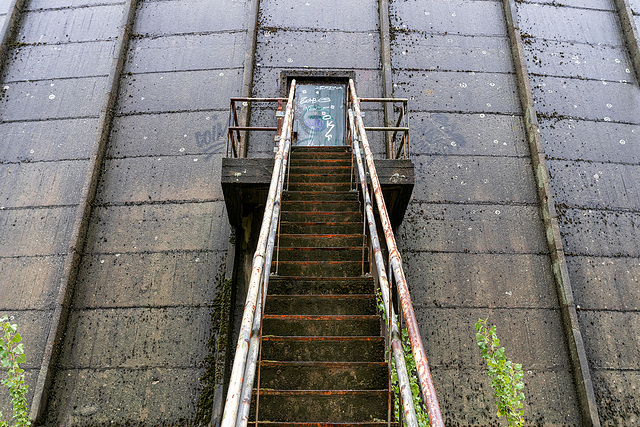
point(237, 134)
point(236, 410)
point(396, 274)
point(395, 149)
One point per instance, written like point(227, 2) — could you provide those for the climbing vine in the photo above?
point(506, 376)
point(11, 356)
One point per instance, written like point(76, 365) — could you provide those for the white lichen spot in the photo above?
point(117, 255)
point(609, 105)
point(484, 52)
point(52, 84)
point(463, 85)
point(32, 151)
point(617, 61)
point(207, 118)
point(101, 261)
point(197, 259)
point(221, 74)
point(427, 13)
point(453, 14)
point(596, 177)
point(622, 142)
point(453, 143)
point(492, 84)
point(142, 98)
point(488, 105)
point(607, 119)
point(289, 60)
point(181, 150)
point(185, 135)
point(6, 88)
point(627, 70)
point(497, 212)
point(509, 293)
point(482, 115)
point(52, 96)
point(195, 160)
point(495, 141)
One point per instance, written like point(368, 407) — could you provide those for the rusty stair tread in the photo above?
point(276, 363)
point(322, 316)
point(322, 392)
point(322, 424)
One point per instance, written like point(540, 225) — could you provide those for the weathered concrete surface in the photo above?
point(476, 209)
point(589, 100)
point(159, 229)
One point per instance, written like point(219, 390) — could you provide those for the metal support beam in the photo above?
point(247, 75)
point(78, 235)
point(9, 27)
point(630, 33)
point(581, 373)
point(385, 58)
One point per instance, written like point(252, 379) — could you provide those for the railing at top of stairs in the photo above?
point(236, 410)
point(396, 273)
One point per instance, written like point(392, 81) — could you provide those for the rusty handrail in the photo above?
point(417, 348)
point(234, 136)
point(401, 126)
point(243, 370)
point(408, 408)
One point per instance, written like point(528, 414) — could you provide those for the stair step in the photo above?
point(293, 285)
point(313, 163)
point(320, 268)
point(320, 186)
point(322, 405)
point(321, 205)
point(321, 304)
point(331, 177)
point(320, 227)
point(321, 254)
point(320, 195)
point(321, 169)
point(324, 375)
point(323, 349)
point(323, 424)
point(301, 216)
point(324, 151)
point(320, 325)
point(320, 240)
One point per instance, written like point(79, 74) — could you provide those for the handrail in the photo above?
point(417, 348)
point(401, 126)
point(243, 371)
point(396, 343)
point(234, 136)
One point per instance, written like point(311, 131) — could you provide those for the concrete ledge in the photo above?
point(245, 184)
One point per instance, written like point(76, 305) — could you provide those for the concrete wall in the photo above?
point(589, 104)
point(136, 346)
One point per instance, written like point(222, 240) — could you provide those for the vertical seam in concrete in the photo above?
point(385, 59)
point(630, 33)
point(249, 63)
point(9, 28)
point(78, 236)
point(582, 375)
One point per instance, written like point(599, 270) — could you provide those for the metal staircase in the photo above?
point(313, 347)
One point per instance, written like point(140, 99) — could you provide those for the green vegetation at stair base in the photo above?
point(506, 376)
point(11, 356)
point(412, 371)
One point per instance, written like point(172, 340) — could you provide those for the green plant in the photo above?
point(412, 371)
point(11, 356)
point(506, 377)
